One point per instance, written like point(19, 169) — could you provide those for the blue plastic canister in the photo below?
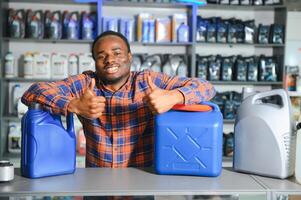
point(189, 142)
point(48, 149)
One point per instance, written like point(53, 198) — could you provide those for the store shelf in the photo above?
point(294, 94)
point(30, 40)
point(17, 79)
point(240, 45)
point(229, 121)
point(242, 7)
point(55, 1)
point(11, 118)
point(146, 5)
point(162, 44)
point(245, 83)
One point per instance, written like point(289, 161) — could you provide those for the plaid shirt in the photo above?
point(123, 135)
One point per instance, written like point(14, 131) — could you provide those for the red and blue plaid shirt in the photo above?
point(123, 135)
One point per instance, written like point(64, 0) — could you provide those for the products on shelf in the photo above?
point(34, 24)
point(10, 69)
point(127, 28)
point(85, 62)
point(41, 65)
point(227, 68)
point(55, 25)
point(263, 34)
point(16, 106)
point(88, 25)
point(81, 142)
point(71, 23)
point(296, 106)
point(180, 28)
point(163, 29)
point(167, 63)
point(268, 69)
point(148, 31)
point(45, 65)
point(238, 68)
point(16, 23)
point(73, 64)
point(228, 103)
point(218, 30)
point(14, 137)
point(109, 24)
point(59, 65)
point(228, 144)
point(28, 65)
point(75, 25)
point(291, 77)
point(245, 2)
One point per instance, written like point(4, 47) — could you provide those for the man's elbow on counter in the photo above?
point(28, 96)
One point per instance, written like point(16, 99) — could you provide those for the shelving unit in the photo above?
point(276, 13)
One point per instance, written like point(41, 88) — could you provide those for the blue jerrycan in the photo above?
point(48, 149)
point(188, 140)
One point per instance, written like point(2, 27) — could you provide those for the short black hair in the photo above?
point(107, 33)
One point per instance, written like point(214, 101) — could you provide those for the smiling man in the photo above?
point(115, 106)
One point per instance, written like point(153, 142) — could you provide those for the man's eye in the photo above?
point(100, 57)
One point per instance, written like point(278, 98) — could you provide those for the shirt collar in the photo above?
point(126, 86)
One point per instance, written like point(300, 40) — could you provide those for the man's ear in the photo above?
point(130, 57)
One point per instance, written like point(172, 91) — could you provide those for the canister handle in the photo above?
point(70, 124)
point(280, 92)
point(213, 105)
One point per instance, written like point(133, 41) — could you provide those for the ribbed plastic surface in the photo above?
point(48, 149)
point(189, 143)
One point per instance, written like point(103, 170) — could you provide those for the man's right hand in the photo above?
point(88, 105)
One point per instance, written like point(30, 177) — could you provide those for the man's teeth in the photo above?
point(112, 69)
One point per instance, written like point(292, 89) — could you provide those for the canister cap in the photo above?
point(35, 106)
point(192, 108)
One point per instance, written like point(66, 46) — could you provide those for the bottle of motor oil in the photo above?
point(86, 62)
point(53, 25)
point(16, 23)
point(34, 24)
point(48, 148)
point(87, 27)
point(72, 65)
point(73, 26)
point(183, 33)
point(14, 138)
point(41, 65)
point(167, 69)
point(182, 69)
point(28, 65)
point(9, 65)
point(59, 66)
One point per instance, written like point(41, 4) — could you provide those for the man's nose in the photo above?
point(109, 59)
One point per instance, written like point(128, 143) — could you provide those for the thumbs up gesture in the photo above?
point(159, 100)
point(88, 105)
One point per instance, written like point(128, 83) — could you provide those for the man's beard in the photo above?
point(111, 81)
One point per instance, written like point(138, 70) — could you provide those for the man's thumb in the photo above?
point(151, 83)
point(92, 84)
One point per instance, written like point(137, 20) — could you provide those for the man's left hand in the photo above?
point(159, 100)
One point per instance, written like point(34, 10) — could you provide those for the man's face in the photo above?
point(112, 60)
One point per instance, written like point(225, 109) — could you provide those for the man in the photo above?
point(116, 106)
